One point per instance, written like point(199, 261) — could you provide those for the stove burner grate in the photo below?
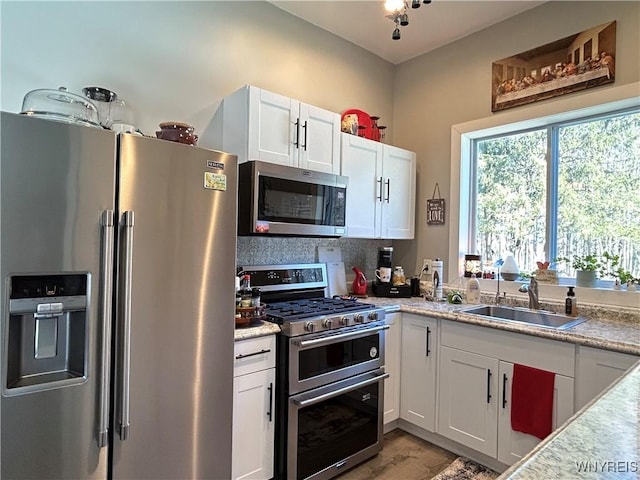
point(299, 309)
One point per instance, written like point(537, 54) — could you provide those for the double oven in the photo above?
point(329, 374)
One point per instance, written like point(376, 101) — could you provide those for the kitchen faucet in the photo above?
point(532, 290)
point(498, 297)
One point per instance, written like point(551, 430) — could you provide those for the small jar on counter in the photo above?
point(255, 297)
point(398, 278)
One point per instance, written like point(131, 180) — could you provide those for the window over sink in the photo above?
point(560, 117)
point(563, 189)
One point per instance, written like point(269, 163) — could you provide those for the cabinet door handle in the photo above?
point(270, 412)
point(428, 341)
point(305, 135)
point(388, 184)
point(379, 182)
point(504, 390)
point(297, 142)
point(489, 385)
point(245, 355)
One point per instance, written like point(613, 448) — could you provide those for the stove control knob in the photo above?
point(344, 320)
point(359, 318)
point(310, 327)
point(326, 323)
point(373, 316)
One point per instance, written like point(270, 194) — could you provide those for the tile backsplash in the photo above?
point(257, 250)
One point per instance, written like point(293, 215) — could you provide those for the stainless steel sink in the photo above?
point(526, 316)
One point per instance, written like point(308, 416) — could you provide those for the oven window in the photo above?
point(290, 201)
point(319, 360)
point(337, 428)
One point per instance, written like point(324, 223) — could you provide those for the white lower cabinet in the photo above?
point(474, 386)
point(253, 408)
point(418, 370)
point(597, 369)
point(392, 367)
point(468, 405)
point(512, 445)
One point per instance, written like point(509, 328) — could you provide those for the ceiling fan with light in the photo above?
point(397, 12)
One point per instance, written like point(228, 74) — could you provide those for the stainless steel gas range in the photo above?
point(330, 372)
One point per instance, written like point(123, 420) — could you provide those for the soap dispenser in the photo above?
point(570, 305)
point(473, 290)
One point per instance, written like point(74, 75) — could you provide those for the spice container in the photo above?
point(245, 292)
point(398, 278)
point(255, 297)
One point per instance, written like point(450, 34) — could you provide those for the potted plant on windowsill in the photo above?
point(586, 267)
point(626, 278)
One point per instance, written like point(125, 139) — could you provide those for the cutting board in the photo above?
point(336, 278)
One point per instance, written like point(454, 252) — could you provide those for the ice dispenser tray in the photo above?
point(46, 339)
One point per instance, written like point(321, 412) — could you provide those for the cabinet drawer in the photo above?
point(551, 355)
point(254, 354)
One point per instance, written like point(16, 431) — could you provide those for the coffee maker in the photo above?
point(383, 286)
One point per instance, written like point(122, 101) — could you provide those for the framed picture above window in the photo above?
point(577, 62)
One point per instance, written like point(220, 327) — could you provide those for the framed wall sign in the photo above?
point(435, 208)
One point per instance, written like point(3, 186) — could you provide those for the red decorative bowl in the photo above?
point(177, 132)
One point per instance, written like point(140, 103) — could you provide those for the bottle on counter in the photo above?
point(473, 289)
point(570, 304)
point(238, 294)
point(245, 291)
point(255, 297)
point(397, 277)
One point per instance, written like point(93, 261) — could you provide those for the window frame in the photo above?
point(562, 109)
point(553, 166)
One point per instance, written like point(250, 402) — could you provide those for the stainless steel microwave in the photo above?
point(280, 200)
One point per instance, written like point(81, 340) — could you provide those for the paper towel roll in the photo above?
point(437, 269)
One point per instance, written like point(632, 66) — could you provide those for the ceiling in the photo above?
point(363, 22)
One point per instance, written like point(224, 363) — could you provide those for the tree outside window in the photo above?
point(559, 191)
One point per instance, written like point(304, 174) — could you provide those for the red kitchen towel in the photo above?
point(532, 400)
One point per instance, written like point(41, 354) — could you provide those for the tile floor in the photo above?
point(403, 457)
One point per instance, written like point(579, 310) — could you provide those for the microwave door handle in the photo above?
point(106, 290)
point(124, 411)
point(336, 393)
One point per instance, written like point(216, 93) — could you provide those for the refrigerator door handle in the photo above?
point(124, 420)
point(106, 279)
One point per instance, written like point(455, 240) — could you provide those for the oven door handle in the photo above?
point(335, 393)
point(316, 342)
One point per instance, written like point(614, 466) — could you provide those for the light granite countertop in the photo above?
point(600, 441)
point(619, 333)
point(259, 329)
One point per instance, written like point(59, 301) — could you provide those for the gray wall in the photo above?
point(177, 60)
point(452, 85)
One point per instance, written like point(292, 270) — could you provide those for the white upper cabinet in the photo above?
point(399, 193)
point(266, 126)
point(382, 189)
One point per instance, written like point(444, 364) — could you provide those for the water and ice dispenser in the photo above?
point(46, 334)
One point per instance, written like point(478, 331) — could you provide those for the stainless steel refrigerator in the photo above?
point(117, 260)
